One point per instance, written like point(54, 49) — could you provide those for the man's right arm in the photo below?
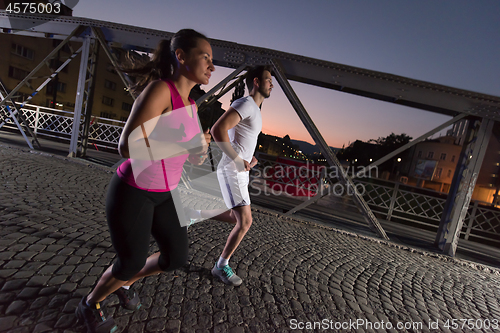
point(220, 134)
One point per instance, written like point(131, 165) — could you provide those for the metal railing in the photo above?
point(389, 200)
point(57, 124)
point(399, 202)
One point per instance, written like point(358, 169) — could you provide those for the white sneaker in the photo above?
point(226, 275)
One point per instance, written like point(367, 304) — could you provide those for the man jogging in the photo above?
point(236, 133)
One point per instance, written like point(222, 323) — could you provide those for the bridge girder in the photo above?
point(377, 85)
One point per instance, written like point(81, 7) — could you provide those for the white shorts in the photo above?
point(234, 186)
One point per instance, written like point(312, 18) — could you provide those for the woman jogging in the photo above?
point(161, 132)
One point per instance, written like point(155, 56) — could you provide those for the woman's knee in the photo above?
point(172, 262)
point(126, 269)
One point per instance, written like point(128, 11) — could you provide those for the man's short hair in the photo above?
point(256, 72)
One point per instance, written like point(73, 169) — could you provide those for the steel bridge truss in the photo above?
point(483, 109)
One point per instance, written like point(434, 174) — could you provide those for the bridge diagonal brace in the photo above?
point(215, 98)
point(14, 119)
point(13, 114)
point(332, 160)
point(221, 84)
point(319, 195)
point(19, 113)
point(102, 40)
point(417, 140)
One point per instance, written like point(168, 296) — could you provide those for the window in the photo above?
point(453, 158)
point(123, 118)
point(107, 101)
point(438, 172)
point(17, 73)
point(23, 51)
point(105, 115)
point(443, 156)
point(430, 154)
point(126, 106)
point(110, 85)
point(449, 173)
point(419, 154)
point(61, 87)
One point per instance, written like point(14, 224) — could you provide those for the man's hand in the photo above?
point(253, 162)
point(241, 164)
point(208, 136)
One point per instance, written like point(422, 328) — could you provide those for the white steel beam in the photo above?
point(12, 114)
point(463, 183)
point(80, 95)
point(220, 85)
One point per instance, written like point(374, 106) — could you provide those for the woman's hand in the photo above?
point(197, 145)
point(197, 159)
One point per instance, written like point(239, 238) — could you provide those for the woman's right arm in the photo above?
point(143, 120)
point(147, 108)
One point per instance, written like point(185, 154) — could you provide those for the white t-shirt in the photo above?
point(244, 135)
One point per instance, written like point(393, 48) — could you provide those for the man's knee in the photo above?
point(246, 223)
point(245, 217)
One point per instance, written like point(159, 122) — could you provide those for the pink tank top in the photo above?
point(164, 175)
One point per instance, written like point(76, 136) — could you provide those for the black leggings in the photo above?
point(133, 216)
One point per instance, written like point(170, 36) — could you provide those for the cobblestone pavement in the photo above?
point(54, 245)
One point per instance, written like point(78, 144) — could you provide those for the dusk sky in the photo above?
point(454, 43)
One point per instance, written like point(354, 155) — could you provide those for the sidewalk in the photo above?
point(54, 245)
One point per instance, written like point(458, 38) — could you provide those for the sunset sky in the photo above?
point(454, 43)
